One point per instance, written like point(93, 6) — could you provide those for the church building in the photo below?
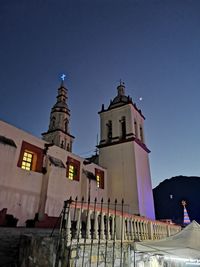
point(38, 175)
point(123, 152)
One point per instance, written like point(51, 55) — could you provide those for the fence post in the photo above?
point(150, 228)
point(131, 229)
point(168, 230)
point(102, 229)
point(66, 233)
point(96, 225)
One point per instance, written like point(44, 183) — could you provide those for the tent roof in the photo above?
point(184, 244)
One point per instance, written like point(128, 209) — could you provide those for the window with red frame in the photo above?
point(99, 178)
point(73, 169)
point(31, 157)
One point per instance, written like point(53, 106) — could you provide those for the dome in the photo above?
point(121, 99)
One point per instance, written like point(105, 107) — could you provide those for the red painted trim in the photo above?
point(101, 175)
point(48, 222)
point(142, 145)
point(36, 150)
point(3, 213)
point(76, 165)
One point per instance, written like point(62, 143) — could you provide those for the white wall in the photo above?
point(122, 182)
point(126, 161)
point(115, 115)
point(145, 194)
point(20, 190)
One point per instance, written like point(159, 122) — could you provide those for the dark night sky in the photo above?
point(154, 46)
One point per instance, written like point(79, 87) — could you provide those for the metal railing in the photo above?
point(96, 229)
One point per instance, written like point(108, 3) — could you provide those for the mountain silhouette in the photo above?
point(169, 194)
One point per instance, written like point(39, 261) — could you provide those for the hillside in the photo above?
point(169, 194)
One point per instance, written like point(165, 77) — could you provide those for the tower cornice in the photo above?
point(131, 139)
point(58, 130)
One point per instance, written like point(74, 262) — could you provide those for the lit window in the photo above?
point(71, 172)
point(31, 157)
point(99, 178)
point(73, 169)
point(27, 161)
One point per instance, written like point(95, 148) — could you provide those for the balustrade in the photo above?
point(98, 223)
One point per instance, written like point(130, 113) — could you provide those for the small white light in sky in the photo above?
point(140, 98)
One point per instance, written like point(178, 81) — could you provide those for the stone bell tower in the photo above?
point(59, 132)
point(122, 150)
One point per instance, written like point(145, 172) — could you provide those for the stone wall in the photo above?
point(117, 255)
point(10, 239)
point(37, 251)
point(42, 252)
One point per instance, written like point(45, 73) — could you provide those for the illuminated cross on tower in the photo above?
point(63, 77)
point(121, 82)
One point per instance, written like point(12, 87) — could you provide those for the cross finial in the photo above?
point(183, 203)
point(63, 77)
point(121, 82)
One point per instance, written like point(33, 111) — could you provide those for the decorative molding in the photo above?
point(130, 134)
point(55, 130)
point(7, 141)
point(125, 141)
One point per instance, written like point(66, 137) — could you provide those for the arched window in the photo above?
point(66, 125)
point(123, 127)
point(109, 130)
point(141, 134)
point(136, 129)
point(68, 147)
point(53, 123)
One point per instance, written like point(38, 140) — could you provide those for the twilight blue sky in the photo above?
point(154, 46)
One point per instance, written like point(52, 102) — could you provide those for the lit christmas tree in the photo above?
point(186, 219)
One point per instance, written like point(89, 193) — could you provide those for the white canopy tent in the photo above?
point(185, 244)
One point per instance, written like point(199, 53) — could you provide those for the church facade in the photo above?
point(38, 175)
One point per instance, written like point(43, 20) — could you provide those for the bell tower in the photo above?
point(122, 150)
point(59, 131)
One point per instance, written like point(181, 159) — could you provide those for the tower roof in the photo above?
point(121, 99)
point(59, 131)
point(61, 97)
